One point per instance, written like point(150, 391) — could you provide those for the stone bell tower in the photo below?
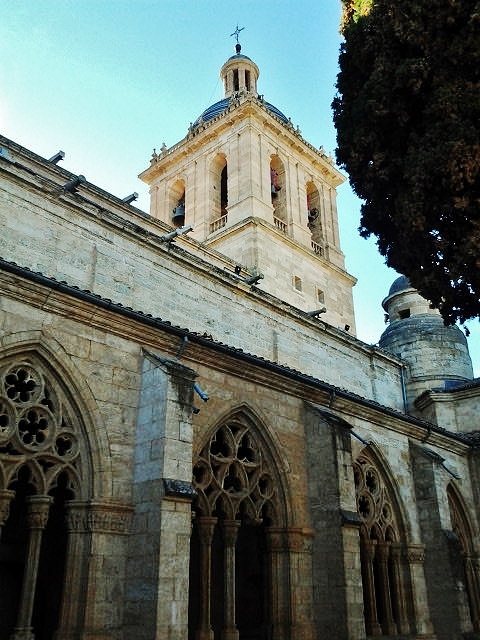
point(255, 190)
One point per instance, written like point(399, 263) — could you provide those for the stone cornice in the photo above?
point(246, 106)
point(239, 227)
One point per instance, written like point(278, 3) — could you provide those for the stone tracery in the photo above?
point(382, 554)
point(238, 525)
point(39, 471)
point(232, 477)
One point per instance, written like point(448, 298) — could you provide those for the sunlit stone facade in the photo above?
point(190, 452)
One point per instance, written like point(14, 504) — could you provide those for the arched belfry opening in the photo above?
point(387, 591)
point(314, 218)
point(219, 192)
point(278, 193)
point(464, 560)
point(41, 471)
point(238, 520)
point(177, 203)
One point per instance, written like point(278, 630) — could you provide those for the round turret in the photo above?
point(437, 355)
point(239, 74)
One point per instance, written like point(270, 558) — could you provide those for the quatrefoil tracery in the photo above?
point(35, 426)
point(232, 477)
point(373, 501)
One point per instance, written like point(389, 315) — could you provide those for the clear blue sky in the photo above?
point(106, 81)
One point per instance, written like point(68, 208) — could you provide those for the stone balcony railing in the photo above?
point(219, 223)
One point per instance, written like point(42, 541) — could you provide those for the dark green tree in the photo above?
point(407, 115)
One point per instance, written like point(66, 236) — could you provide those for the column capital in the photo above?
point(37, 511)
point(6, 496)
point(368, 547)
point(205, 527)
point(383, 551)
point(230, 531)
point(415, 553)
point(86, 516)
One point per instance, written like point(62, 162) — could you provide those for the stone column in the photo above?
point(472, 574)
point(369, 599)
point(6, 496)
point(108, 527)
point(37, 517)
point(205, 528)
point(416, 557)
point(382, 554)
point(278, 583)
point(74, 591)
point(398, 588)
point(301, 584)
point(230, 532)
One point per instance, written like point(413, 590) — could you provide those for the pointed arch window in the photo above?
point(386, 589)
point(40, 470)
point(237, 510)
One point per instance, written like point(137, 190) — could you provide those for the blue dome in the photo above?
point(216, 109)
point(400, 284)
point(239, 56)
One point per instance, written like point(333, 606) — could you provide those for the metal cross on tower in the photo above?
point(236, 32)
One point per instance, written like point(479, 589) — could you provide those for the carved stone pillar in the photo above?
point(382, 554)
point(37, 517)
point(6, 496)
point(205, 528)
point(371, 618)
point(416, 557)
point(278, 583)
point(74, 592)
point(230, 532)
point(399, 589)
point(301, 585)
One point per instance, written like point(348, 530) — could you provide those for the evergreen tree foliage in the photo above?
point(407, 114)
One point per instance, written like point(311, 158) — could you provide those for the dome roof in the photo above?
point(400, 284)
point(239, 75)
point(239, 56)
point(218, 107)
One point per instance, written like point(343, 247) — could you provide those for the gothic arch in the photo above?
point(40, 347)
point(465, 560)
point(387, 591)
point(240, 516)
point(50, 473)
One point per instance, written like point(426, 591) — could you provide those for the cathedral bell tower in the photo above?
point(256, 191)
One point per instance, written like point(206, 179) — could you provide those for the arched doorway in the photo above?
point(40, 470)
point(239, 514)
